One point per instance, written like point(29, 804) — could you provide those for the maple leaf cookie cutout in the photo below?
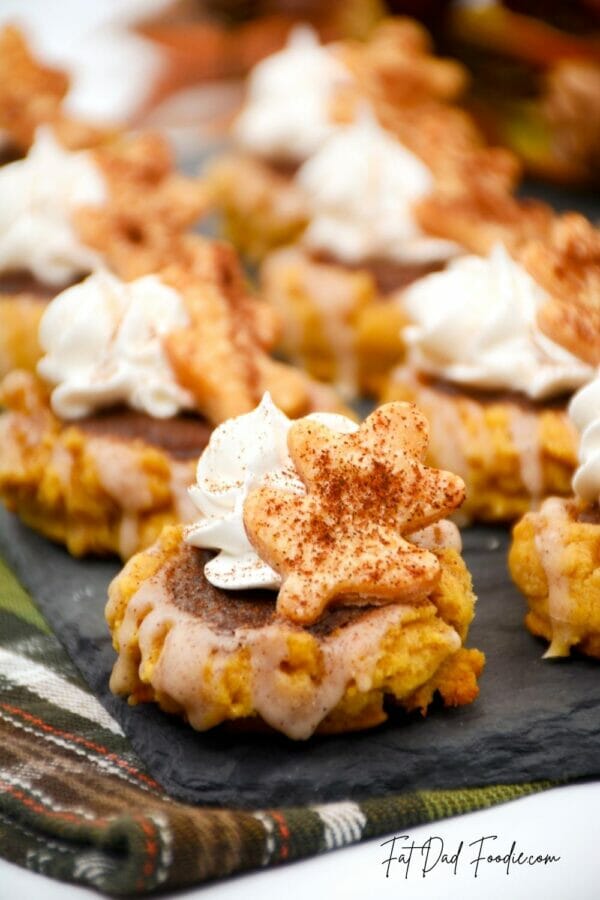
point(343, 540)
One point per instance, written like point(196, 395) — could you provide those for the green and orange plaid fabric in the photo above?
point(76, 804)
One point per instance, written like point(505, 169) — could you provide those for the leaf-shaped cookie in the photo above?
point(343, 541)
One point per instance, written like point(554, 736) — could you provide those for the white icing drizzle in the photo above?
point(61, 463)
point(449, 437)
point(334, 303)
point(439, 536)
point(128, 539)
point(279, 275)
point(524, 427)
point(182, 478)
point(119, 472)
point(193, 658)
point(289, 272)
point(550, 540)
point(446, 429)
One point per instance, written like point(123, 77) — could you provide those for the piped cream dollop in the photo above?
point(475, 325)
point(243, 453)
point(361, 187)
point(102, 345)
point(584, 411)
point(287, 111)
point(38, 196)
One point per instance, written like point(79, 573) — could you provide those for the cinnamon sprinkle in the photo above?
point(344, 538)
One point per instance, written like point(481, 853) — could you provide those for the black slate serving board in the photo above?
point(534, 718)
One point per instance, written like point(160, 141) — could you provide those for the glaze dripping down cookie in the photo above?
point(311, 604)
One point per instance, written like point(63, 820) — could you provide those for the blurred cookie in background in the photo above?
point(208, 46)
point(535, 86)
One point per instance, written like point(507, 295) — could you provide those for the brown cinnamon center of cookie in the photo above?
point(389, 275)
point(9, 153)
point(182, 437)
point(590, 515)
point(22, 282)
point(454, 389)
point(225, 611)
point(286, 168)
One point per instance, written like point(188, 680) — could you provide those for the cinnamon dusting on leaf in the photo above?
point(148, 209)
point(567, 266)
point(32, 94)
point(223, 356)
point(344, 540)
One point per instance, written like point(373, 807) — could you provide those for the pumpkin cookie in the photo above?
point(394, 73)
point(555, 552)
point(64, 213)
point(377, 136)
point(493, 379)
point(98, 450)
point(207, 635)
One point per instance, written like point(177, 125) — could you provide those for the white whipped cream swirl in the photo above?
point(287, 111)
point(361, 187)
point(243, 453)
point(584, 411)
point(38, 196)
point(475, 325)
point(102, 341)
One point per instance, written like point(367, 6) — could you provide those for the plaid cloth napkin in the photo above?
point(76, 804)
